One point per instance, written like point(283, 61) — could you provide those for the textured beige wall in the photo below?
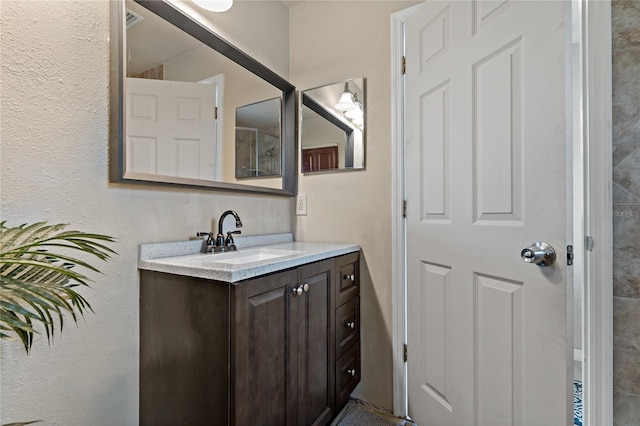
point(626, 211)
point(331, 42)
point(54, 136)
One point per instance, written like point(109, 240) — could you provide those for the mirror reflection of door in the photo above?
point(170, 128)
point(332, 135)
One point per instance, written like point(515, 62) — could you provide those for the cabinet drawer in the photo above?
point(347, 325)
point(347, 374)
point(348, 279)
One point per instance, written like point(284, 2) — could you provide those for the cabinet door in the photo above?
point(318, 159)
point(265, 362)
point(327, 158)
point(316, 340)
point(308, 160)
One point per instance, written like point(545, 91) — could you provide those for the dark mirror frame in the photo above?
point(206, 36)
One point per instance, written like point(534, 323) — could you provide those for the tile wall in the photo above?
point(626, 210)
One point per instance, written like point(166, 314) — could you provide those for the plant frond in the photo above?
point(20, 266)
point(17, 309)
point(14, 321)
point(38, 273)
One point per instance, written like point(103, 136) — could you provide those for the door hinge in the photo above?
point(569, 255)
point(588, 243)
point(215, 113)
point(404, 65)
point(405, 355)
point(404, 208)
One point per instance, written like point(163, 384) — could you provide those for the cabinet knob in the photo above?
point(350, 324)
point(298, 290)
point(352, 372)
point(351, 277)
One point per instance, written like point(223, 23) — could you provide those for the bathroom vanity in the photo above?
point(268, 335)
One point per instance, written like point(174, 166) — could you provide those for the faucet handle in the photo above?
point(209, 236)
point(229, 241)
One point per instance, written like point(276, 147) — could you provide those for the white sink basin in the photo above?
point(241, 257)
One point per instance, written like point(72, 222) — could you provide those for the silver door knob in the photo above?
point(351, 372)
point(350, 324)
point(539, 253)
point(349, 277)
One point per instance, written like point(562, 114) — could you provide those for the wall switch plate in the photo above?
point(301, 205)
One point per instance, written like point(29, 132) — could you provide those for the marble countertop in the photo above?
point(256, 256)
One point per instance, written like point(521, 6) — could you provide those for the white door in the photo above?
point(486, 177)
point(170, 128)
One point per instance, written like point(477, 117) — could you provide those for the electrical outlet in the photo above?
point(301, 205)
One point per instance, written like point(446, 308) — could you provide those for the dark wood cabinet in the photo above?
point(318, 159)
point(347, 333)
point(262, 351)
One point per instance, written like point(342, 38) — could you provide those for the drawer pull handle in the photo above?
point(352, 372)
point(351, 277)
point(350, 324)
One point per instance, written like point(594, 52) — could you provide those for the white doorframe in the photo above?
point(398, 263)
point(598, 290)
point(597, 178)
point(218, 82)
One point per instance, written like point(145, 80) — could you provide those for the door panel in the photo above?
point(319, 159)
point(171, 128)
point(316, 353)
point(265, 338)
point(485, 114)
point(497, 135)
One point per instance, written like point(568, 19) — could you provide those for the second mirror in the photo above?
point(332, 127)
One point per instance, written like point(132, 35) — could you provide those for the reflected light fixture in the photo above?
point(356, 111)
point(347, 101)
point(215, 5)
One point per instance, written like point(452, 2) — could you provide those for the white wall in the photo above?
point(331, 42)
point(54, 136)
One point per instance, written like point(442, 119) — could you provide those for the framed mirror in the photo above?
point(177, 93)
point(332, 127)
